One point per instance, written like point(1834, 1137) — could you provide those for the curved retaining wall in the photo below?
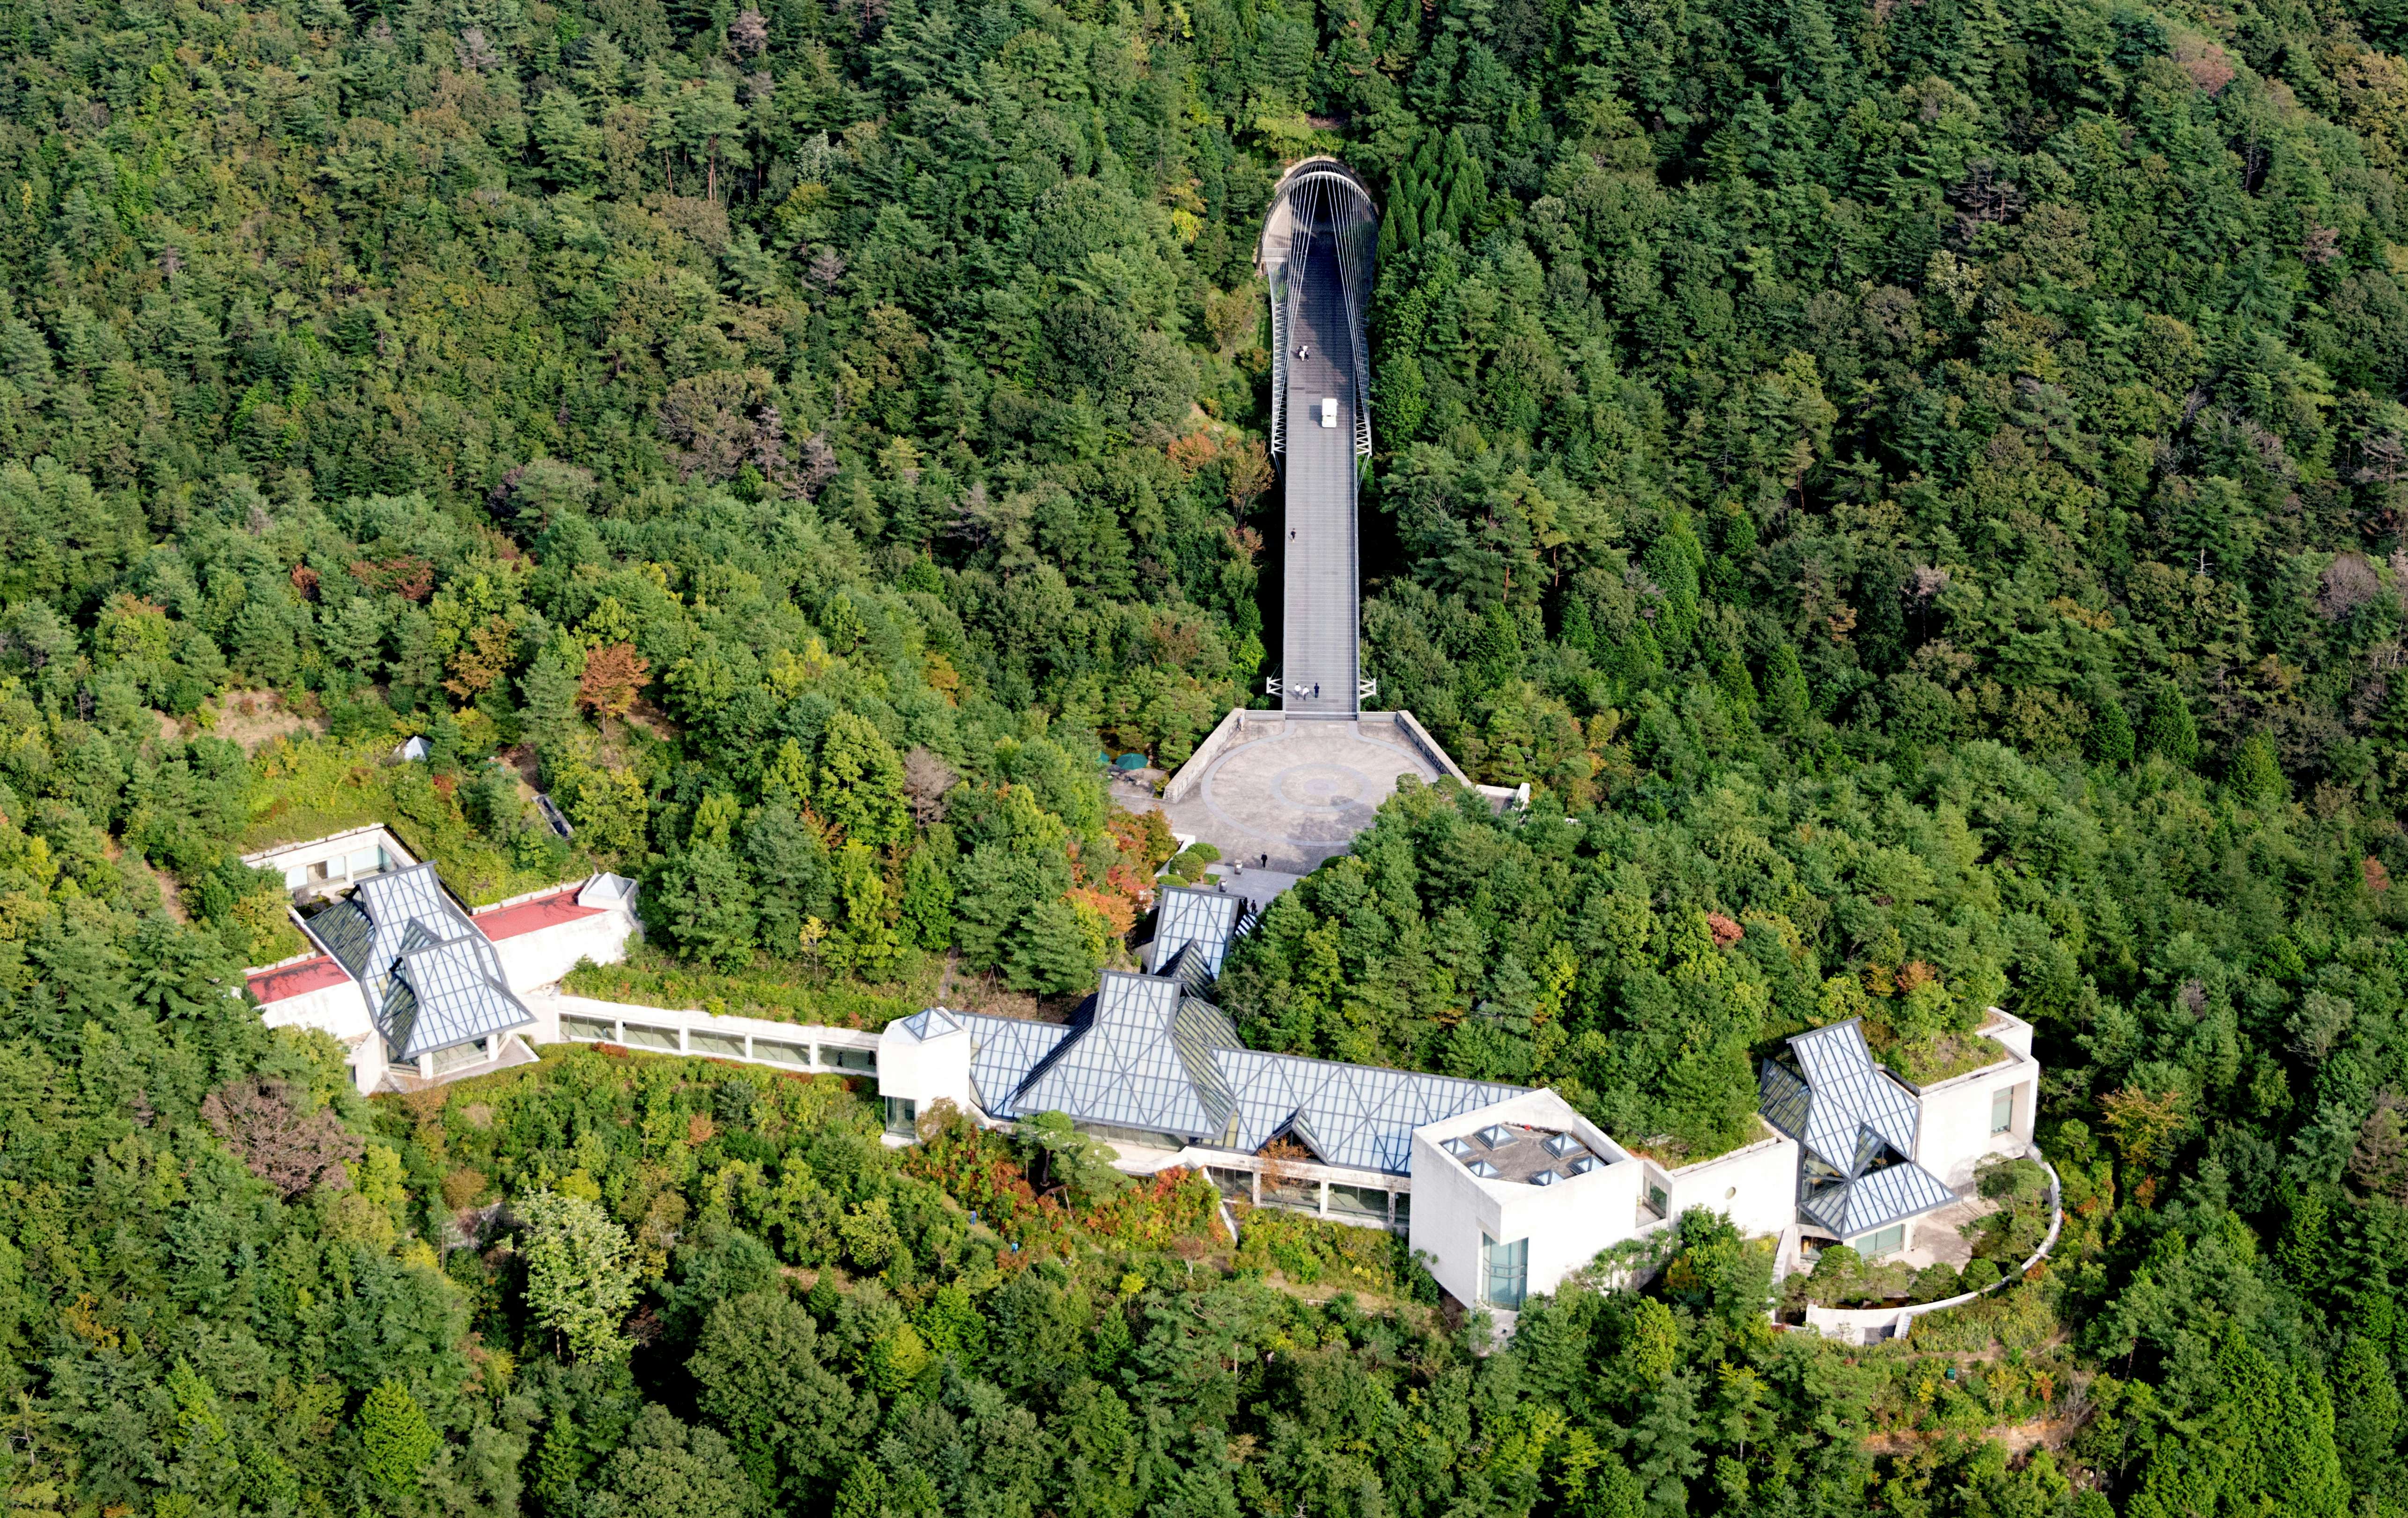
point(1872, 1324)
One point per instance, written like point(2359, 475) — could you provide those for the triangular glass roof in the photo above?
point(433, 978)
point(1200, 922)
point(1124, 1068)
point(1855, 1128)
point(1146, 1054)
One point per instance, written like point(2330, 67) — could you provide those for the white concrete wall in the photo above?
point(670, 1030)
point(543, 956)
point(1755, 1186)
point(342, 1010)
point(925, 1071)
point(1190, 779)
point(1450, 1212)
point(1955, 1137)
point(1567, 1224)
point(345, 855)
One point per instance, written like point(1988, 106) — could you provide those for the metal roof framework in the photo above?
point(1193, 929)
point(1145, 1055)
point(432, 978)
point(1855, 1128)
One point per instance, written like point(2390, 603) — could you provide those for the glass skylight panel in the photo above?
point(1458, 1147)
point(1583, 1165)
point(1153, 1056)
point(1545, 1178)
point(1481, 1168)
point(1560, 1144)
point(1495, 1135)
point(1200, 921)
point(1888, 1196)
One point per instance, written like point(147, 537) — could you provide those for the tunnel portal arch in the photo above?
point(1319, 206)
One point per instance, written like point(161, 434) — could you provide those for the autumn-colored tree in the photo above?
point(409, 577)
point(615, 675)
point(1248, 472)
point(482, 658)
point(2140, 1123)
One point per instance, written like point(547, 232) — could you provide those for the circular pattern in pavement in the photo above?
point(1305, 792)
point(1324, 785)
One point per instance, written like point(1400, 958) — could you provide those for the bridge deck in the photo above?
point(1321, 656)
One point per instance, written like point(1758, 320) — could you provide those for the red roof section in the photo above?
point(297, 979)
point(531, 916)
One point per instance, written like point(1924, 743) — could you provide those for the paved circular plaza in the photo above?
point(1300, 792)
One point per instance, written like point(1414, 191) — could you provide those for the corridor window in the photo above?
point(1888, 1240)
point(1504, 1272)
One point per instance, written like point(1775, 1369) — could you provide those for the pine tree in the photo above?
point(2170, 729)
point(1664, 1441)
point(1400, 228)
point(1112, 1344)
point(1785, 697)
point(1738, 690)
point(1049, 953)
point(864, 1493)
point(2366, 1398)
point(2110, 732)
point(2257, 773)
point(396, 1443)
point(927, 900)
point(859, 785)
point(560, 1463)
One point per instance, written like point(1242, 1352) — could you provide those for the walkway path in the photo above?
point(1321, 609)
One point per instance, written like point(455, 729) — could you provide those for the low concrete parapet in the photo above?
point(1408, 730)
point(1244, 725)
point(1190, 778)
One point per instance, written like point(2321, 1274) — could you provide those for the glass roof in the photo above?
point(433, 980)
point(1125, 1066)
point(1193, 929)
point(1144, 1054)
point(1850, 1091)
point(1855, 1128)
point(441, 994)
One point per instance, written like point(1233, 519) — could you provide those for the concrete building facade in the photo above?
point(1503, 1190)
point(416, 988)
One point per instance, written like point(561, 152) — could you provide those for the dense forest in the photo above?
point(1919, 490)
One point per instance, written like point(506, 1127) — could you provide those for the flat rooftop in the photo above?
point(549, 910)
point(286, 981)
point(1513, 1151)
